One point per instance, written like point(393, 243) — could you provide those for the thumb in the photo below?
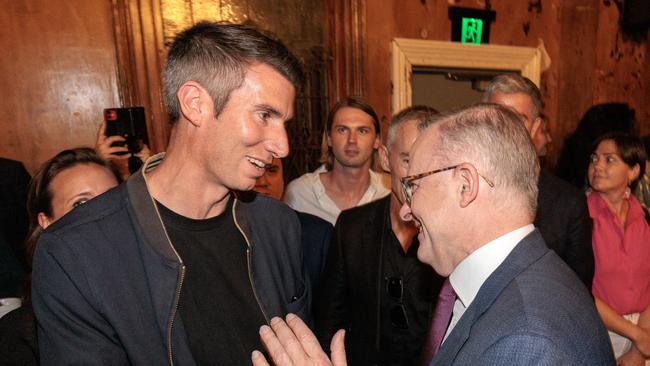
point(338, 349)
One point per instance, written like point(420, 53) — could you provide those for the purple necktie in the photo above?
point(439, 322)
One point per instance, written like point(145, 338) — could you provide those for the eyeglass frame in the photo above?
point(407, 182)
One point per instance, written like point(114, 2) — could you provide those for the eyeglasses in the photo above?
point(395, 289)
point(409, 187)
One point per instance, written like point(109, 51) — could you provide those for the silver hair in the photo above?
point(493, 138)
point(515, 83)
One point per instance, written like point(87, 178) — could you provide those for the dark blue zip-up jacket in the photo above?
point(106, 278)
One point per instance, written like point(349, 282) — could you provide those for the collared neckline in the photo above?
point(470, 274)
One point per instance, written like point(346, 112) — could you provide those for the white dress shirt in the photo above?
point(470, 274)
point(307, 194)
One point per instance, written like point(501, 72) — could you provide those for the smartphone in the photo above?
point(129, 123)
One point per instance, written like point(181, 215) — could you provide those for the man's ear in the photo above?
point(383, 158)
point(192, 98)
point(43, 220)
point(468, 189)
point(377, 143)
point(536, 127)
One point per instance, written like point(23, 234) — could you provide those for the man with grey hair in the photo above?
point(562, 214)
point(373, 282)
point(173, 267)
point(472, 192)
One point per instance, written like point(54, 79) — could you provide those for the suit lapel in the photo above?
point(528, 251)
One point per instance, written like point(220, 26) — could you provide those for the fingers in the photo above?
point(115, 138)
point(290, 341)
point(102, 130)
point(338, 348)
point(259, 359)
point(308, 341)
point(273, 346)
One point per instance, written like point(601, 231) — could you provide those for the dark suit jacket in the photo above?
point(563, 219)
point(532, 310)
point(352, 282)
point(315, 234)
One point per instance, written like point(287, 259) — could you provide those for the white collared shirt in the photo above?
point(307, 194)
point(470, 274)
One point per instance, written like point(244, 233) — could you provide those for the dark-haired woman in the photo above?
point(621, 242)
point(64, 182)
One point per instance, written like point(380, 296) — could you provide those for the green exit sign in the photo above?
point(471, 31)
point(470, 25)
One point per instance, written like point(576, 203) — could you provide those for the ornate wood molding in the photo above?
point(407, 53)
point(140, 53)
point(346, 30)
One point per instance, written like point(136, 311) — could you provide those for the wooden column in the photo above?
point(346, 27)
point(140, 54)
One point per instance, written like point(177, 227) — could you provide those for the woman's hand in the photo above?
point(103, 145)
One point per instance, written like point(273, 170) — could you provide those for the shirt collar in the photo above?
point(470, 274)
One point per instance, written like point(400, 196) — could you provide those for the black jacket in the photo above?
point(564, 222)
point(351, 286)
point(106, 278)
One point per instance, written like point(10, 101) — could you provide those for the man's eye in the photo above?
point(593, 158)
point(340, 129)
point(79, 203)
point(265, 116)
point(610, 159)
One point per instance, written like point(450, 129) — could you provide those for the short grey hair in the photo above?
point(217, 56)
point(420, 114)
point(493, 138)
point(515, 83)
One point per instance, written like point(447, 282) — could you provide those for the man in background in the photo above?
point(373, 282)
point(562, 215)
point(346, 179)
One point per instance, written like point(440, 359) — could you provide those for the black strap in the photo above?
point(647, 215)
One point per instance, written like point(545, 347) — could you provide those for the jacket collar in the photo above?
point(147, 215)
point(527, 252)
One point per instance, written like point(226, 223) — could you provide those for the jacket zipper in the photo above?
point(172, 316)
point(248, 262)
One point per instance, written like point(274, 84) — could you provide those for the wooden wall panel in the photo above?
point(592, 62)
point(57, 74)
point(622, 66)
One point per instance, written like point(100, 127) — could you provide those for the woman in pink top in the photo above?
point(621, 242)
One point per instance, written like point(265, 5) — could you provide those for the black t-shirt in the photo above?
point(219, 310)
point(402, 336)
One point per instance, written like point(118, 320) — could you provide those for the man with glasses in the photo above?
point(472, 192)
point(562, 215)
point(373, 282)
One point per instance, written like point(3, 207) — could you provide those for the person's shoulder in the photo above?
point(10, 163)
point(305, 180)
point(357, 212)
point(313, 221)
point(90, 214)
point(549, 183)
point(261, 206)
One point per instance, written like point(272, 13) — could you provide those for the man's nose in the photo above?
point(352, 137)
point(278, 142)
point(405, 212)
